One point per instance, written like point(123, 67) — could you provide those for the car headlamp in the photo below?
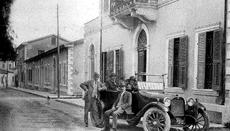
point(190, 101)
point(167, 102)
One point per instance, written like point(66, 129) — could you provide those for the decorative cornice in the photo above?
point(175, 34)
point(208, 27)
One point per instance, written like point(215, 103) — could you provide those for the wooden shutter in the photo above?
point(183, 62)
point(110, 63)
point(121, 63)
point(170, 62)
point(201, 60)
point(103, 67)
point(216, 60)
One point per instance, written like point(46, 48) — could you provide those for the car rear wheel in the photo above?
point(201, 123)
point(156, 120)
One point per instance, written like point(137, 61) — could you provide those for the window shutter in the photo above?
point(103, 67)
point(170, 62)
point(216, 60)
point(201, 60)
point(183, 62)
point(109, 63)
point(121, 63)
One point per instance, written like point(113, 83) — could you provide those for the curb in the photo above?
point(69, 103)
point(54, 98)
point(27, 92)
point(45, 96)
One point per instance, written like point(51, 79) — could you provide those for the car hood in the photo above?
point(152, 95)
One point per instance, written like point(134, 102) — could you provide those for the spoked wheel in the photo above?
point(156, 120)
point(201, 123)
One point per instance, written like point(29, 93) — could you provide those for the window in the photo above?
point(209, 60)
point(53, 40)
point(112, 62)
point(142, 55)
point(178, 62)
point(30, 75)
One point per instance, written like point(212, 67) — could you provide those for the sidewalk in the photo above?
point(72, 100)
point(79, 102)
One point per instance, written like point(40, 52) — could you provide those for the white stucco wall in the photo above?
point(181, 17)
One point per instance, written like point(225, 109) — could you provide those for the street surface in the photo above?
point(20, 111)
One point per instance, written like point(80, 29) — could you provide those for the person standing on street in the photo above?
point(91, 89)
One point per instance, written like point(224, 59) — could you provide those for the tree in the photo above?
point(7, 51)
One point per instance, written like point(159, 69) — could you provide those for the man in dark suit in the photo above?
point(112, 83)
point(121, 105)
point(91, 89)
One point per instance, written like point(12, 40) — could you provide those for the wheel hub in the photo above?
point(155, 123)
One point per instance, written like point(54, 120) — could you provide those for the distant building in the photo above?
point(7, 73)
point(180, 38)
point(40, 66)
point(30, 49)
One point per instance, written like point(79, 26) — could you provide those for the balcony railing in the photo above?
point(122, 6)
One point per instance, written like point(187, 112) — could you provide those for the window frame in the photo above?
point(179, 34)
point(197, 32)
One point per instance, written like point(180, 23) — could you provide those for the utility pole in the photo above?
point(58, 53)
point(223, 91)
point(101, 61)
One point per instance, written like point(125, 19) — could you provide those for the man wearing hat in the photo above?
point(132, 83)
point(112, 83)
point(91, 89)
point(122, 104)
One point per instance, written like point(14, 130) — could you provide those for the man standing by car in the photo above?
point(121, 105)
point(91, 89)
point(112, 83)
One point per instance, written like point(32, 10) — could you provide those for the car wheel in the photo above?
point(156, 120)
point(201, 123)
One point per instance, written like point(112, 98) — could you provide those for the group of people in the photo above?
point(122, 103)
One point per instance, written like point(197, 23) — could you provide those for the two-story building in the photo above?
point(180, 38)
point(32, 48)
point(40, 65)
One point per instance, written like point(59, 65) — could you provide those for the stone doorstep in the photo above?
point(222, 110)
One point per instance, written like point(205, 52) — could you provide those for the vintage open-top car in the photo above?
point(159, 112)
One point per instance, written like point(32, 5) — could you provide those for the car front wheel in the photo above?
point(200, 123)
point(156, 120)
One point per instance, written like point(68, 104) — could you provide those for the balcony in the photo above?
point(143, 10)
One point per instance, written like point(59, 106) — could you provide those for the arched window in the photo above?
point(142, 55)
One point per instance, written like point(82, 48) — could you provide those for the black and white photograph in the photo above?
point(115, 65)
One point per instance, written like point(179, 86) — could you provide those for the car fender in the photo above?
point(157, 105)
point(200, 106)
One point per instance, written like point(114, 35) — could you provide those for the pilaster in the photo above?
point(70, 90)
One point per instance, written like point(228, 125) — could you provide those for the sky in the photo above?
point(31, 19)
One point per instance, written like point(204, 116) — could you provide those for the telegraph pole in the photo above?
point(58, 53)
point(101, 61)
